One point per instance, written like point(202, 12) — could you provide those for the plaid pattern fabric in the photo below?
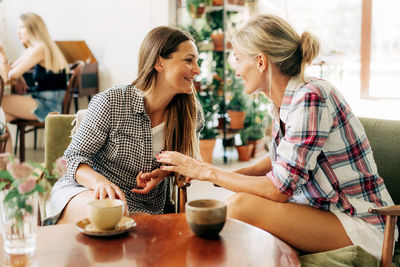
point(322, 157)
point(115, 139)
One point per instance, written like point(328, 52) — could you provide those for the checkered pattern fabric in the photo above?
point(322, 157)
point(115, 139)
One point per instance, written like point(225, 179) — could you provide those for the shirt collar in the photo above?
point(293, 85)
point(137, 100)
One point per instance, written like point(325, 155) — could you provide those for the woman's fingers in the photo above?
point(170, 168)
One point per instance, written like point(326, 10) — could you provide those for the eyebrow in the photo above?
point(191, 55)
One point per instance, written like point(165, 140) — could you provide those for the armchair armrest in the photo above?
point(391, 214)
point(391, 211)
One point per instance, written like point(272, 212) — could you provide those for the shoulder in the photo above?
point(37, 50)
point(314, 89)
point(122, 97)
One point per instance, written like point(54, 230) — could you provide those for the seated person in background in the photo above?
point(114, 148)
point(315, 188)
point(49, 74)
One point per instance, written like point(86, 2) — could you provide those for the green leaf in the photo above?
point(2, 185)
point(29, 209)
point(11, 194)
point(6, 175)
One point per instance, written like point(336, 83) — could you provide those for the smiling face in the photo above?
point(247, 68)
point(22, 33)
point(179, 71)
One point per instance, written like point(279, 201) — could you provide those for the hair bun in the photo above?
point(309, 45)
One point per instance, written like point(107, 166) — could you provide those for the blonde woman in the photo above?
point(113, 152)
point(315, 188)
point(49, 73)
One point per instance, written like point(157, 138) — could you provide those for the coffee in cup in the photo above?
point(105, 213)
point(206, 217)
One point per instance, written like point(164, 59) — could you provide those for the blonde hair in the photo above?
point(181, 114)
point(38, 34)
point(274, 37)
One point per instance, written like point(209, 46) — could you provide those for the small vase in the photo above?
point(19, 235)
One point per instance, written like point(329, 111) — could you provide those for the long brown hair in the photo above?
point(182, 111)
point(37, 33)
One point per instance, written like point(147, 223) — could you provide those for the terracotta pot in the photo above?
point(206, 149)
point(244, 152)
point(258, 147)
point(218, 40)
point(218, 2)
point(237, 119)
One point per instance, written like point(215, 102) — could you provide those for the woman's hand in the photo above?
point(147, 181)
point(186, 166)
point(107, 189)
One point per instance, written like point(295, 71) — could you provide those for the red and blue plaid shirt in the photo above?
point(323, 158)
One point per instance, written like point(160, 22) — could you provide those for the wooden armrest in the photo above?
point(391, 211)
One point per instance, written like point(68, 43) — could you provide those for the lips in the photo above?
point(189, 79)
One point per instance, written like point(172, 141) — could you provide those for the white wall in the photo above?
point(113, 30)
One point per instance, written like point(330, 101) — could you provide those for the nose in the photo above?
point(196, 69)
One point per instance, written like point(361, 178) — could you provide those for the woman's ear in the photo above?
point(159, 66)
point(262, 62)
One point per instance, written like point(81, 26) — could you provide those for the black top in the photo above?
point(44, 80)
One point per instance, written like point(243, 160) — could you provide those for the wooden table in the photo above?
point(157, 240)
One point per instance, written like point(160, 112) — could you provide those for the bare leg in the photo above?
point(19, 106)
point(76, 208)
point(306, 228)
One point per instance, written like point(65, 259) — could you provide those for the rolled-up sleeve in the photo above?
point(90, 136)
point(306, 131)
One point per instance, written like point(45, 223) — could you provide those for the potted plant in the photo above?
point(196, 8)
point(237, 105)
point(244, 150)
point(208, 134)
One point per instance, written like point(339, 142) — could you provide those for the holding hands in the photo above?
point(185, 165)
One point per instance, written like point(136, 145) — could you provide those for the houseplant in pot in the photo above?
point(244, 150)
point(196, 8)
point(208, 134)
point(237, 105)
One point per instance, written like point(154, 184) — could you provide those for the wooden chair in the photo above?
point(4, 134)
point(35, 124)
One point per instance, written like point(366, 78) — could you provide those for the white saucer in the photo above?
point(123, 226)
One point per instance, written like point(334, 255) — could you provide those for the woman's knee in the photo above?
point(238, 205)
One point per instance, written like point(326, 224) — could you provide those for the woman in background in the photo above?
point(316, 187)
point(113, 151)
point(49, 73)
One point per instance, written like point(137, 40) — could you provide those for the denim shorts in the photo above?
point(47, 101)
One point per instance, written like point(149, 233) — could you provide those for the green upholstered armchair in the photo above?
point(57, 137)
point(384, 137)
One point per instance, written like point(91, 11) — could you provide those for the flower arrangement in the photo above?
point(19, 181)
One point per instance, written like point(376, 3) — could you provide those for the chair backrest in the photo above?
point(57, 134)
point(73, 83)
point(384, 137)
point(1, 89)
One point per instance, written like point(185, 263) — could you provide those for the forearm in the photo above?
point(88, 177)
point(257, 185)
point(258, 169)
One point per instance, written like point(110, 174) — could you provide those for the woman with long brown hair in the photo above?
point(114, 150)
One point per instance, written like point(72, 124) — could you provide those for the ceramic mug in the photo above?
point(206, 217)
point(105, 213)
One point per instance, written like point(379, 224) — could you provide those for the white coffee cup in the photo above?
point(105, 213)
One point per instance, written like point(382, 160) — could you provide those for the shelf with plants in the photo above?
point(212, 24)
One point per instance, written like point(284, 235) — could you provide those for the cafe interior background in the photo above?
point(360, 42)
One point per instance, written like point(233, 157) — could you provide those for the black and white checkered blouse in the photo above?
point(115, 139)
